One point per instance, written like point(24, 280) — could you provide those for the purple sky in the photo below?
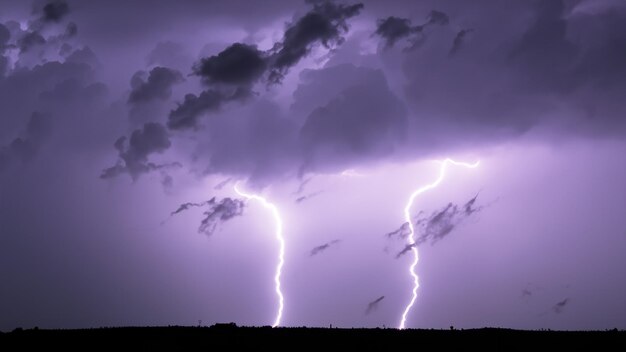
point(116, 114)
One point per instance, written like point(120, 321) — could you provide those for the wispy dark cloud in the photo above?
point(459, 41)
point(217, 212)
point(559, 306)
point(373, 305)
point(302, 185)
point(308, 196)
point(221, 211)
point(319, 249)
point(186, 206)
point(403, 231)
point(441, 223)
point(405, 250)
point(436, 226)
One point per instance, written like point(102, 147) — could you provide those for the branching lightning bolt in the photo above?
point(281, 242)
point(411, 237)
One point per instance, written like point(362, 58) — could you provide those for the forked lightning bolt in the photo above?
point(281, 242)
point(411, 237)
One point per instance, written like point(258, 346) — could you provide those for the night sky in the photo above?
point(137, 137)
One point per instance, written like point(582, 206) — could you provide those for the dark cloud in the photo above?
point(27, 145)
point(434, 227)
point(55, 11)
point(186, 206)
point(373, 305)
point(554, 73)
point(152, 138)
point(457, 44)
point(438, 18)
point(354, 118)
point(188, 112)
point(231, 73)
point(219, 212)
point(324, 24)
point(405, 250)
point(438, 225)
point(392, 29)
point(30, 40)
point(529, 66)
point(239, 64)
point(308, 196)
point(157, 86)
point(319, 249)
point(559, 306)
point(403, 231)
point(470, 206)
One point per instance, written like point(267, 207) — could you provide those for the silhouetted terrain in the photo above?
point(230, 337)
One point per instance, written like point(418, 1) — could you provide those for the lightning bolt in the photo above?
point(281, 242)
point(411, 237)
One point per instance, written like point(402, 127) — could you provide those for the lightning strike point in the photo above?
point(281, 242)
point(411, 237)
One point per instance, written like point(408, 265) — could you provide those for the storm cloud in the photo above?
point(158, 85)
point(231, 73)
point(115, 115)
point(133, 154)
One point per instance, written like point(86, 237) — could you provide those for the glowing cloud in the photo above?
point(411, 237)
point(281, 242)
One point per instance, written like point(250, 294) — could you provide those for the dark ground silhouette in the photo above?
point(231, 337)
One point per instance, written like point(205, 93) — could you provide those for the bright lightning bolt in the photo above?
point(411, 238)
point(281, 242)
